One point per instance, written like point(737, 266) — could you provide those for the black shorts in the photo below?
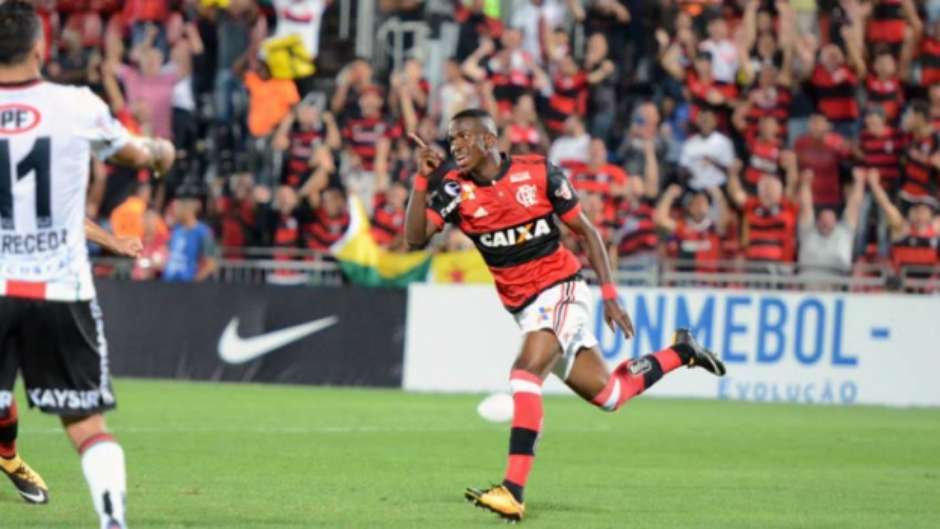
point(61, 351)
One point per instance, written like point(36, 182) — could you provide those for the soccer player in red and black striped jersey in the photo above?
point(508, 207)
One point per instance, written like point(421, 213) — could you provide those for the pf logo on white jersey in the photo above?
point(526, 195)
point(17, 118)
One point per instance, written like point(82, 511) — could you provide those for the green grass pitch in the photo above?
point(245, 456)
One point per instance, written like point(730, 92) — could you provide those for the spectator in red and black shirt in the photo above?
point(635, 237)
point(388, 216)
point(921, 176)
point(823, 152)
point(368, 136)
point(509, 73)
point(299, 135)
point(771, 97)
point(929, 55)
point(888, 21)
point(602, 178)
point(697, 234)
point(523, 133)
point(767, 157)
point(569, 95)
point(325, 217)
point(834, 85)
point(702, 90)
point(770, 221)
point(880, 147)
point(884, 88)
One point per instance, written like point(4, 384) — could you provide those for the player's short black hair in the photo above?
point(19, 30)
point(471, 113)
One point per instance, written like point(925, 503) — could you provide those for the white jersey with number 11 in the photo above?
point(48, 133)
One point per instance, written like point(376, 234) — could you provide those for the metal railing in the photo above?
point(295, 266)
point(397, 30)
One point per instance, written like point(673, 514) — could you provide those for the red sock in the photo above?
point(8, 427)
point(634, 377)
point(526, 425)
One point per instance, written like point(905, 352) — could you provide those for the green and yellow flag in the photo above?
point(366, 263)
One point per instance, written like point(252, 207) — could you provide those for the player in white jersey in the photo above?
point(51, 331)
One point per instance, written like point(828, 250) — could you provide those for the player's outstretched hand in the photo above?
point(615, 317)
point(128, 246)
point(427, 158)
point(164, 154)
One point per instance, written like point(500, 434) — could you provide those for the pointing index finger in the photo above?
point(417, 139)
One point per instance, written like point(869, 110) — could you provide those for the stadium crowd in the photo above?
point(791, 132)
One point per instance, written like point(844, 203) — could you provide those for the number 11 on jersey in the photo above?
point(36, 162)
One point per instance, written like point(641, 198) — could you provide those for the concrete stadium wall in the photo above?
point(784, 347)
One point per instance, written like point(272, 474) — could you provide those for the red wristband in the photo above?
point(420, 183)
point(608, 292)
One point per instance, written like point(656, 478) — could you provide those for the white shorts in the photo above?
point(564, 309)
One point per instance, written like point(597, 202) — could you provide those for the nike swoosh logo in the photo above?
point(237, 350)
point(39, 497)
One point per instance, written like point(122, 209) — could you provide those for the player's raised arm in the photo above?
point(417, 228)
point(152, 153)
point(565, 203)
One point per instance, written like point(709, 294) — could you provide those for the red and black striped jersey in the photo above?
point(771, 102)
point(764, 159)
point(883, 152)
point(698, 96)
point(886, 93)
point(770, 233)
point(598, 179)
point(297, 159)
point(930, 61)
point(362, 135)
point(918, 248)
point(510, 81)
point(320, 230)
point(699, 242)
point(388, 222)
point(835, 92)
point(569, 98)
point(637, 231)
point(920, 176)
point(523, 139)
point(511, 220)
point(886, 23)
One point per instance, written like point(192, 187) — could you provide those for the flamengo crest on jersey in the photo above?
point(48, 133)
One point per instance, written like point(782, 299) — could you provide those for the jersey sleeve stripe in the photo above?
point(435, 218)
point(569, 215)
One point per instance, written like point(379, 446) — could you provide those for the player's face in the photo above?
point(469, 142)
